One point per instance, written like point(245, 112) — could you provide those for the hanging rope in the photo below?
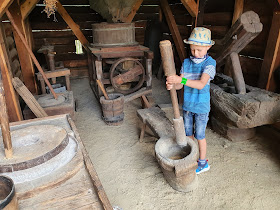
point(50, 8)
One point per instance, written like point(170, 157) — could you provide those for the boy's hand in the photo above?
point(174, 79)
point(171, 80)
point(169, 86)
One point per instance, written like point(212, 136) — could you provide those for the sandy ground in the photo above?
point(243, 175)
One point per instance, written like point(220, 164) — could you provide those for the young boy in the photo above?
point(196, 73)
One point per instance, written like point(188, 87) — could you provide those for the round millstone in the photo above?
point(33, 146)
point(48, 100)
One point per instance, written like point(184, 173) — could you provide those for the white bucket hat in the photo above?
point(200, 36)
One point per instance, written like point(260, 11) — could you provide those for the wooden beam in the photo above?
point(174, 29)
point(134, 9)
point(272, 55)
point(14, 111)
point(5, 128)
point(200, 14)
point(26, 7)
point(238, 10)
point(74, 27)
point(4, 5)
point(24, 58)
point(191, 6)
point(28, 49)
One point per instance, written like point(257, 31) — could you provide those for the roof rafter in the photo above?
point(4, 5)
point(134, 9)
point(191, 6)
point(26, 7)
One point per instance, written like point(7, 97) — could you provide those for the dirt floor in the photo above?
point(243, 175)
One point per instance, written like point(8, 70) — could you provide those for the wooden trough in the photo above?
point(239, 114)
point(72, 185)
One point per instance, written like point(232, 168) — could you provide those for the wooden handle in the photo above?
point(167, 58)
point(102, 89)
point(169, 70)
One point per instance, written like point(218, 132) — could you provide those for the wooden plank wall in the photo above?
point(60, 35)
point(217, 17)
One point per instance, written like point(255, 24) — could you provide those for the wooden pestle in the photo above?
point(169, 70)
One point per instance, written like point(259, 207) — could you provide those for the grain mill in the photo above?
point(119, 62)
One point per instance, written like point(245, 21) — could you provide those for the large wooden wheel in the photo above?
point(127, 72)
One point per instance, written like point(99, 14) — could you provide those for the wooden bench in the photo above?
point(157, 121)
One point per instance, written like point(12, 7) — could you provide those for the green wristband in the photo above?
point(184, 80)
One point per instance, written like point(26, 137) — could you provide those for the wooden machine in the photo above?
point(119, 62)
point(236, 107)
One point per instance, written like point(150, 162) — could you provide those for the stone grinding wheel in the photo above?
point(119, 76)
point(33, 146)
point(48, 100)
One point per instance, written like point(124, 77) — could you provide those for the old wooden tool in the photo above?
point(245, 29)
point(31, 53)
point(169, 70)
point(101, 86)
point(5, 122)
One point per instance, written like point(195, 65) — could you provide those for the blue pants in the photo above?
point(195, 124)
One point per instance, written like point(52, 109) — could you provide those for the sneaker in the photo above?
point(201, 169)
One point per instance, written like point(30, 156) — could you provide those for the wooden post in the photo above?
point(169, 70)
point(13, 107)
point(5, 123)
point(30, 52)
point(272, 55)
point(99, 74)
point(237, 73)
point(174, 29)
point(25, 60)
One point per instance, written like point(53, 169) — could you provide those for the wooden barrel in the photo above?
point(113, 34)
point(113, 108)
point(8, 199)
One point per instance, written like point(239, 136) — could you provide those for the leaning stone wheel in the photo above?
point(127, 75)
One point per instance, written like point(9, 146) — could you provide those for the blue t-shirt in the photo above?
point(195, 100)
